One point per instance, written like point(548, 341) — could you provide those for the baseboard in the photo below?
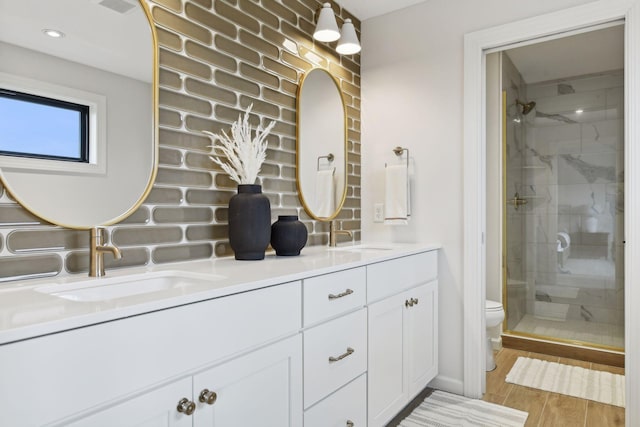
point(447, 384)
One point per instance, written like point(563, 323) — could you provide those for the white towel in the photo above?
point(396, 206)
point(564, 241)
point(325, 193)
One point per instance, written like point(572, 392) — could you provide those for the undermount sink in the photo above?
point(363, 248)
point(126, 286)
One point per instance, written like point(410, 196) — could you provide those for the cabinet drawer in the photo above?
point(334, 354)
point(347, 404)
point(332, 294)
point(393, 276)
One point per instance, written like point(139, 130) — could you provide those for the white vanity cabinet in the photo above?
point(345, 343)
point(134, 371)
point(335, 349)
point(402, 325)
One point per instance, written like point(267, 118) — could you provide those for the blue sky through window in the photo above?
point(37, 129)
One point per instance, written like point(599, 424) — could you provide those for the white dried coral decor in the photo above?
point(244, 154)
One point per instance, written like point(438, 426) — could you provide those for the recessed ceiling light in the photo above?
point(579, 111)
point(53, 33)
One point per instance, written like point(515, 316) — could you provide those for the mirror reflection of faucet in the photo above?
point(97, 249)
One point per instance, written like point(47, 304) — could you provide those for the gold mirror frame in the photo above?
point(59, 216)
point(305, 197)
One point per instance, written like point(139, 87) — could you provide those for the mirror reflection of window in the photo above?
point(44, 128)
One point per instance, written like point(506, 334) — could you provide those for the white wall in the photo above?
point(412, 81)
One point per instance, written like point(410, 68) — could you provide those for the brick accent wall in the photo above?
point(215, 57)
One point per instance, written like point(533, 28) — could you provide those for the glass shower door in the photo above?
point(563, 193)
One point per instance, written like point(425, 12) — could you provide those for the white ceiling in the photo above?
point(365, 9)
point(587, 53)
point(94, 34)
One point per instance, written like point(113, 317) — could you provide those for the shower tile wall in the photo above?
point(216, 57)
point(580, 191)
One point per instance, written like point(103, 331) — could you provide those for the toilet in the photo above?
point(494, 314)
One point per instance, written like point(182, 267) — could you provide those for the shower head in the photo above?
point(526, 107)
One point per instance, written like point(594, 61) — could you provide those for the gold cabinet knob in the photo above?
point(415, 300)
point(350, 423)
point(408, 303)
point(208, 397)
point(186, 406)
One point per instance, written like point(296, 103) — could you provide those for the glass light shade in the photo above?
point(348, 44)
point(327, 27)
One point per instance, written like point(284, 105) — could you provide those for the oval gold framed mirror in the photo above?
point(106, 60)
point(321, 145)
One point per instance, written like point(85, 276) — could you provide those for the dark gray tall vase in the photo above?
point(249, 222)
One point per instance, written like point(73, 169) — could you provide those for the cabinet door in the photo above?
point(387, 383)
point(422, 336)
point(262, 388)
point(157, 408)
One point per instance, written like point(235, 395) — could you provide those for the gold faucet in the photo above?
point(333, 232)
point(97, 249)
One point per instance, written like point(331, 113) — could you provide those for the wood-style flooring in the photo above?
point(546, 408)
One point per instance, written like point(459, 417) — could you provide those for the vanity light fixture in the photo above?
point(327, 31)
point(53, 33)
point(327, 27)
point(348, 44)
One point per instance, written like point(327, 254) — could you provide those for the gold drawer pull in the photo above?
point(343, 294)
point(342, 356)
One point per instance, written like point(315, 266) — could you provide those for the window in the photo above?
point(50, 128)
point(45, 128)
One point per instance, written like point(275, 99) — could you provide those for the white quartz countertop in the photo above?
point(33, 308)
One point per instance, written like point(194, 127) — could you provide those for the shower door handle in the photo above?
point(516, 201)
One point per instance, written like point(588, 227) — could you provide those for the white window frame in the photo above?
point(97, 104)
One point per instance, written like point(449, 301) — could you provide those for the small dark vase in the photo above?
point(249, 222)
point(288, 235)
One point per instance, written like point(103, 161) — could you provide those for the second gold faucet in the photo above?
point(97, 249)
point(333, 233)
